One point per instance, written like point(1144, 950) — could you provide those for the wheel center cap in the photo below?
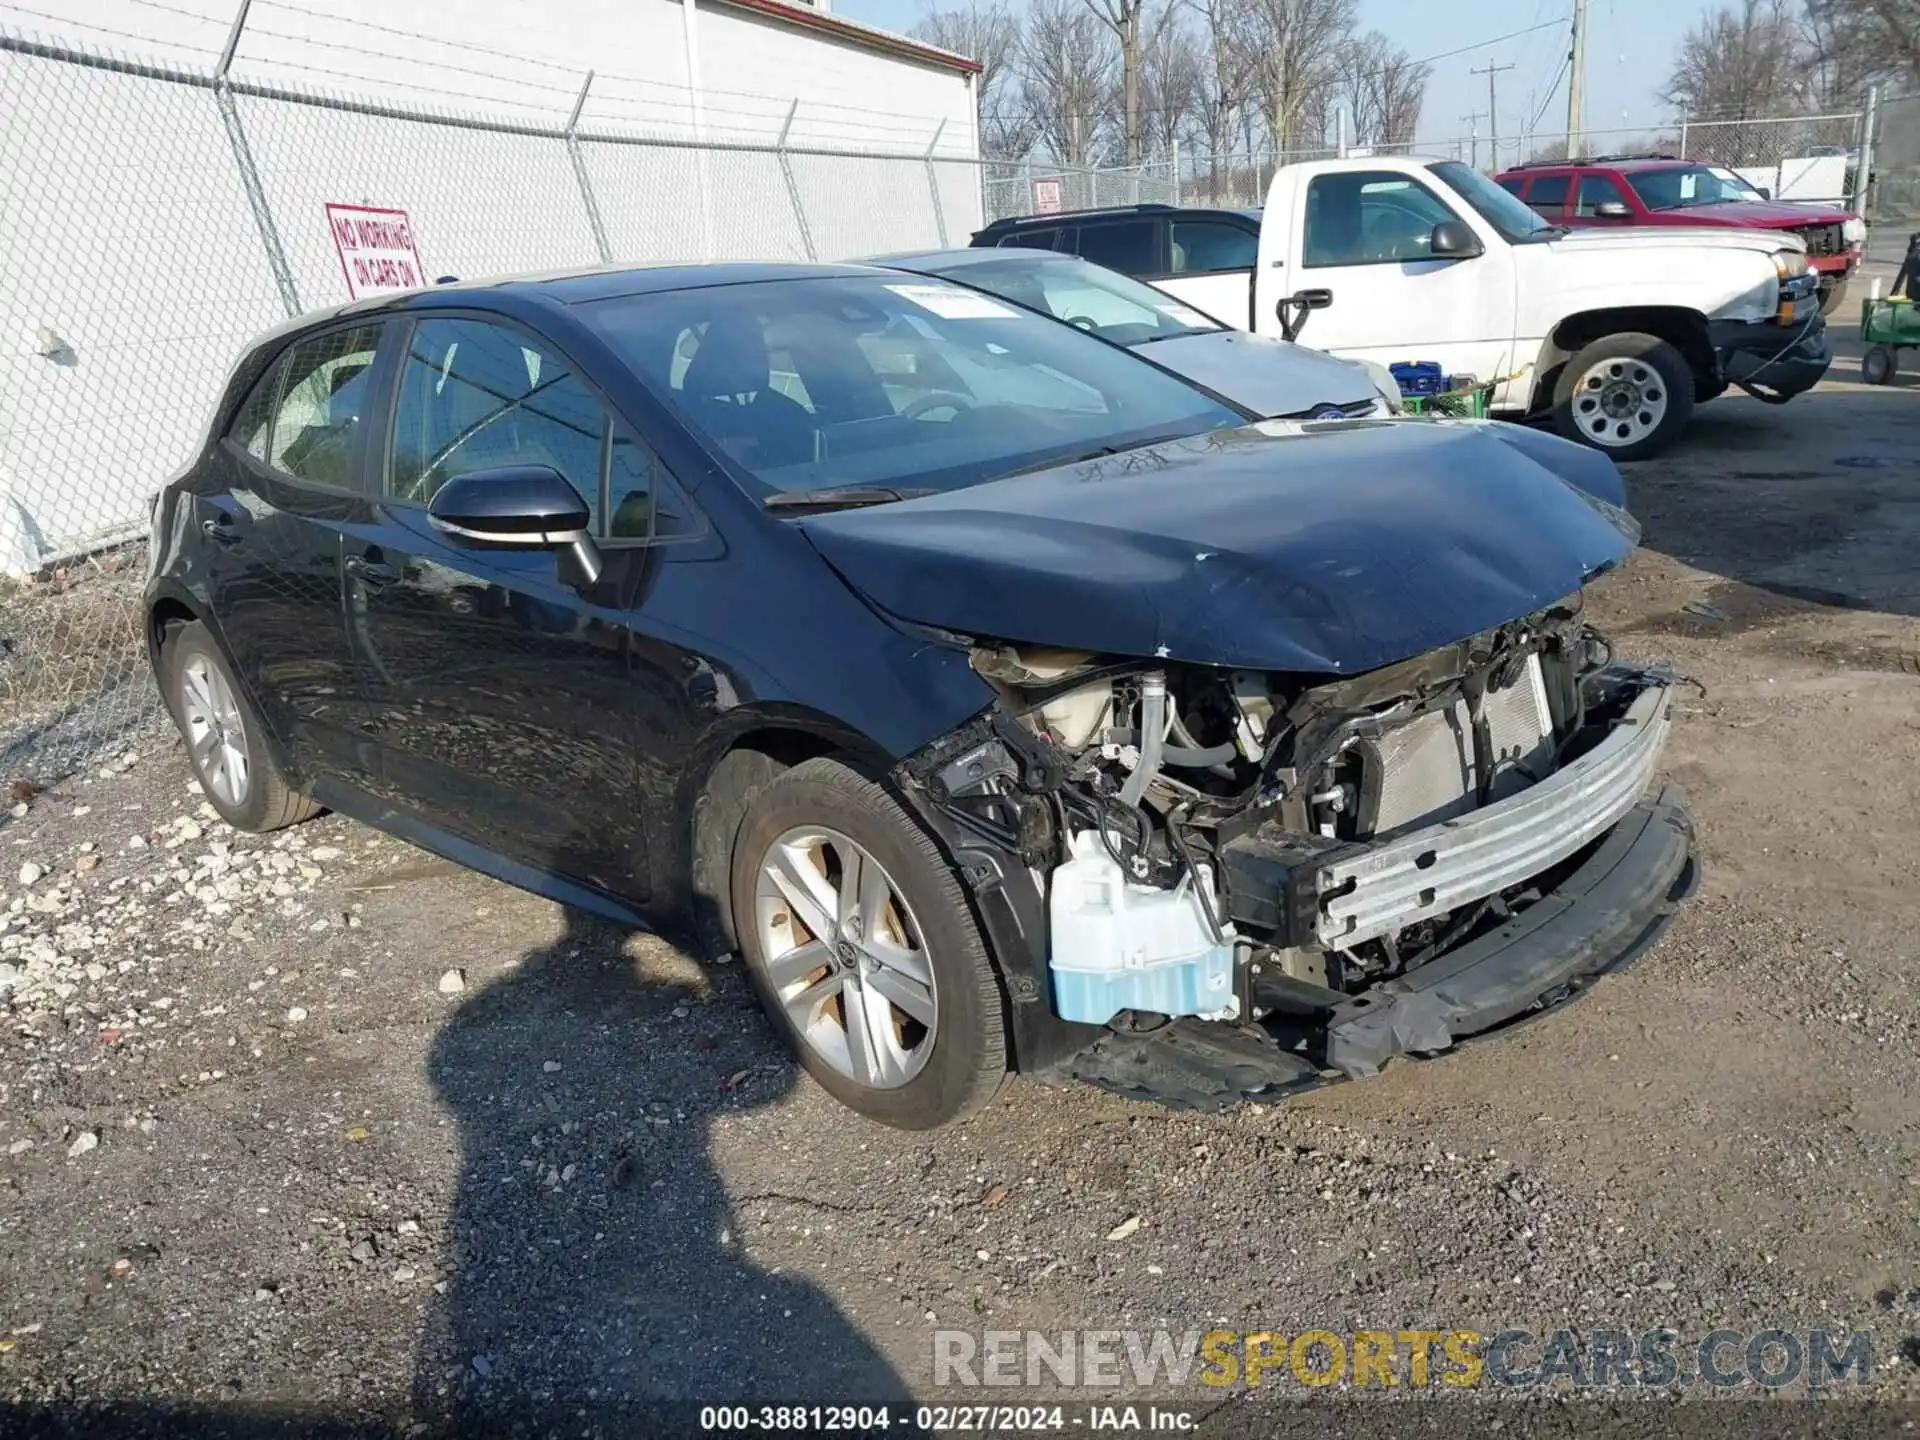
point(847, 953)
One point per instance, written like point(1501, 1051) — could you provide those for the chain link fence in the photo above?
point(1893, 190)
point(153, 219)
point(1034, 187)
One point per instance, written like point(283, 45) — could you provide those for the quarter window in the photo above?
point(1597, 190)
point(1203, 245)
point(318, 408)
point(1370, 217)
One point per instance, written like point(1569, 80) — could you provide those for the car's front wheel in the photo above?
point(224, 744)
point(865, 951)
point(1627, 394)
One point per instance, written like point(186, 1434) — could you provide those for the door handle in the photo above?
point(371, 572)
point(1313, 299)
point(221, 530)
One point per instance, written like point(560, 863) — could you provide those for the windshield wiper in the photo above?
point(847, 498)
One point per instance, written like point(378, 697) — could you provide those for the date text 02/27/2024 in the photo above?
point(940, 1419)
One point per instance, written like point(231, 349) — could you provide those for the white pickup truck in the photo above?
point(1614, 333)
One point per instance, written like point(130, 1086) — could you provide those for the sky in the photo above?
point(1630, 45)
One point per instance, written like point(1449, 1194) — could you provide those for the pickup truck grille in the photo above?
point(1823, 239)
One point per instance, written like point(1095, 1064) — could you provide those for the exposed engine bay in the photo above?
point(1247, 847)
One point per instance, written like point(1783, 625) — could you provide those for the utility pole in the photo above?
point(1472, 120)
point(1576, 77)
point(1493, 113)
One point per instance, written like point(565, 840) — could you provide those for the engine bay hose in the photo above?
point(1153, 736)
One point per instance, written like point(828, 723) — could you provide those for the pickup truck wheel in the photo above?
point(1627, 394)
point(864, 950)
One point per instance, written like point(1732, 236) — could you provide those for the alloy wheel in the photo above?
point(1620, 402)
point(844, 957)
point(216, 734)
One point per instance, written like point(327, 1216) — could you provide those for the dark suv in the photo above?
point(1663, 190)
point(1201, 256)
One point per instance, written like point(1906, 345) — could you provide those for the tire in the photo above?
point(1877, 366)
point(208, 703)
point(1629, 395)
point(1833, 296)
point(906, 1073)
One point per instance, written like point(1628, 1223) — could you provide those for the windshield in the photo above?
point(1683, 188)
point(1104, 302)
point(1497, 207)
point(836, 382)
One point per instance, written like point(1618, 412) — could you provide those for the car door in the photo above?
point(1598, 188)
point(1134, 244)
point(498, 702)
point(1547, 197)
point(1361, 238)
point(285, 481)
point(1210, 267)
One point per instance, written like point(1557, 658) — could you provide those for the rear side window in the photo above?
point(1203, 245)
point(1127, 246)
point(1033, 240)
point(315, 421)
point(1512, 184)
point(1548, 195)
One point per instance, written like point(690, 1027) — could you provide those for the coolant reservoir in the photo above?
point(1120, 946)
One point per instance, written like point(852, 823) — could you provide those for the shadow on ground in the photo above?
point(607, 1294)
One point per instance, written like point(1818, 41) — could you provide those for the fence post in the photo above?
point(793, 186)
point(249, 173)
point(933, 183)
point(587, 196)
point(1863, 166)
point(1683, 129)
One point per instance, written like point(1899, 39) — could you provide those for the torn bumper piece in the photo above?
point(1600, 917)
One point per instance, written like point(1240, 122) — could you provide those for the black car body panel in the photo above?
point(1240, 548)
point(581, 740)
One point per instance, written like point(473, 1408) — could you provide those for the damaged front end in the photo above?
point(1206, 883)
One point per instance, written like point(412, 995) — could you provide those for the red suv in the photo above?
point(1660, 190)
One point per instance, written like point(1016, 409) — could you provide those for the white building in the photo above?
point(150, 222)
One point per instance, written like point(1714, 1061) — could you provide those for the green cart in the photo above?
point(1888, 326)
point(1467, 404)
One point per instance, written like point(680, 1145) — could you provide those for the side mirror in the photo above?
point(1453, 240)
point(1612, 210)
point(1765, 192)
point(520, 506)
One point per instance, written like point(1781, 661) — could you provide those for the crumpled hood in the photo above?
point(1260, 373)
point(1332, 548)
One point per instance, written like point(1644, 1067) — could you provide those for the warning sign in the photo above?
point(376, 248)
point(1046, 197)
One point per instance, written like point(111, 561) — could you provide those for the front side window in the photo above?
point(1516, 223)
point(1368, 217)
point(477, 396)
point(1200, 246)
point(1128, 246)
point(1113, 306)
point(1548, 196)
point(907, 382)
point(1597, 190)
point(311, 428)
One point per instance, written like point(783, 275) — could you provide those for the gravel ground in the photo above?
point(314, 1128)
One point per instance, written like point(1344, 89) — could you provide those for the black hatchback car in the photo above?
point(1005, 700)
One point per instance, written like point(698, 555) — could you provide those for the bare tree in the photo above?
point(1065, 58)
point(1226, 80)
point(1296, 49)
point(1858, 41)
point(1383, 88)
point(989, 33)
point(1743, 61)
point(1172, 74)
point(1126, 19)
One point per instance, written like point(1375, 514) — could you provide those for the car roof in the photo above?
point(1148, 211)
point(578, 285)
point(973, 255)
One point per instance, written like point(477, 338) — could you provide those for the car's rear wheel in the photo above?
point(225, 747)
point(1627, 394)
point(864, 949)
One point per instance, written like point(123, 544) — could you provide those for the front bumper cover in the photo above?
point(1776, 362)
point(1600, 917)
